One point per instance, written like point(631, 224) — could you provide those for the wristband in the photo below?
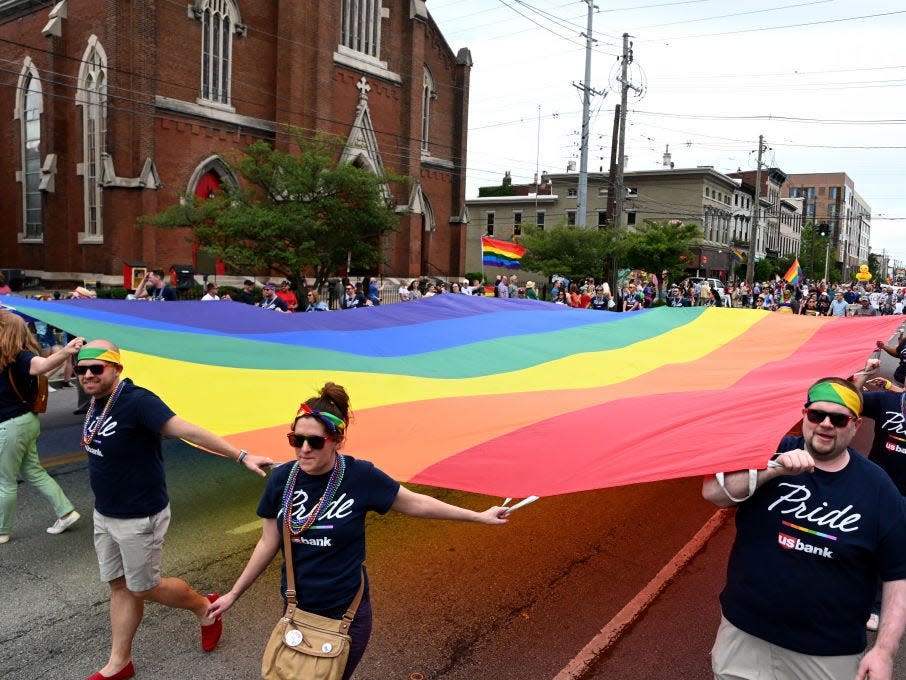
point(242, 454)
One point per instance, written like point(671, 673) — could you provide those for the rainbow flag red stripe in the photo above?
point(496, 253)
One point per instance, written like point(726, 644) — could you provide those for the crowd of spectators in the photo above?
point(811, 298)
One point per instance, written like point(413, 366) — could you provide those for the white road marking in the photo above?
point(247, 528)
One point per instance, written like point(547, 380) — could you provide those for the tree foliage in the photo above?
point(295, 213)
point(813, 252)
point(656, 246)
point(574, 252)
point(567, 250)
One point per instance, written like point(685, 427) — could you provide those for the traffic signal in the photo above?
point(823, 230)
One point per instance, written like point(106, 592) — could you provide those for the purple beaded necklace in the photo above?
point(296, 527)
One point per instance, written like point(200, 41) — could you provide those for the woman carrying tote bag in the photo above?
point(327, 495)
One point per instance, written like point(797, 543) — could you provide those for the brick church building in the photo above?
point(115, 109)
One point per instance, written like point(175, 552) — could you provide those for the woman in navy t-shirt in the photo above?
point(327, 495)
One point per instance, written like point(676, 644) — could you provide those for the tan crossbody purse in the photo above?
point(306, 646)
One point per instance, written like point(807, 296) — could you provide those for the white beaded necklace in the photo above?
point(88, 433)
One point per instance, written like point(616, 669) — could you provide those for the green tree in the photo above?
point(569, 251)
point(295, 212)
point(656, 246)
point(874, 266)
point(813, 252)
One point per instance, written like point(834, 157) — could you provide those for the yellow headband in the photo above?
point(837, 393)
point(101, 354)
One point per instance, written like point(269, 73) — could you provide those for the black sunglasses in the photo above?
point(94, 369)
point(316, 442)
point(817, 417)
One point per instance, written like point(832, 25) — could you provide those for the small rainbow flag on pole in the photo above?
point(794, 273)
point(496, 253)
point(738, 255)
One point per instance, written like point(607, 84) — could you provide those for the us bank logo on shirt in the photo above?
point(797, 504)
point(108, 430)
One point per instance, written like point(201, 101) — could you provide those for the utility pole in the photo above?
point(756, 218)
point(612, 172)
point(624, 95)
point(587, 91)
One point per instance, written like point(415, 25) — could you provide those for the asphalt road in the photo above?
point(452, 601)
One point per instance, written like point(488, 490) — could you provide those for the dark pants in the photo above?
point(360, 632)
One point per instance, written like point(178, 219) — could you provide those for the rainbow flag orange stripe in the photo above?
point(499, 396)
point(496, 253)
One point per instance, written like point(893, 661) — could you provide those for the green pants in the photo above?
point(19, 457)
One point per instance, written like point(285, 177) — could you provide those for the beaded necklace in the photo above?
point(296, 527)
point(88, 433)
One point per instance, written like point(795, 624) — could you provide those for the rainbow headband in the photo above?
point(334, 424)
point(101, 354)
point(836, 393)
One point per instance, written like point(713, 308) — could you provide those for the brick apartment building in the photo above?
point(831, 198)
point(116, 109)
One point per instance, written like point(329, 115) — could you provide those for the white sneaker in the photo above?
point(873, 621)
point(64, 523)
point(4, 538)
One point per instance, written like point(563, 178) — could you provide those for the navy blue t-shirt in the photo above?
point(808, 552)
point(125, 465)
point(327, 559)
point(10, 404)
point(889, 447)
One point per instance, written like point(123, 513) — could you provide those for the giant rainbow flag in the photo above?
point(499, 396)
point(497, 253)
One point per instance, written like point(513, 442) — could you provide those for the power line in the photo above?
point(778, 28)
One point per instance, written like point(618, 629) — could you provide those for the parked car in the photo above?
point(714, 284)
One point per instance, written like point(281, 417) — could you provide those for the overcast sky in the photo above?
point(824, 81)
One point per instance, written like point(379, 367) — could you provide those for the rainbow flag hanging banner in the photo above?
point(794, 273)
point(738, 255)
point(496, 253)
point(506, 397)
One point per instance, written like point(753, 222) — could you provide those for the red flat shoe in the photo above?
point(210, 634)
point(123, 673)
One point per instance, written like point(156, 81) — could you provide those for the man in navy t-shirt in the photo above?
point(815, 530)
point(122, 436)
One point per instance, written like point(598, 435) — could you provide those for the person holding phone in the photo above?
point(324, 497)
point(816, 529)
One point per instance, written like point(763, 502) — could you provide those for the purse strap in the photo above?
point(12, 382)
point(291, 603)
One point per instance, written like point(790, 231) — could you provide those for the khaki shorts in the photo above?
point(131, 548)
point(737, 655)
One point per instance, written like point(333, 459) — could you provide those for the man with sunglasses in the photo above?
point(815, 530)
point(122, 437)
